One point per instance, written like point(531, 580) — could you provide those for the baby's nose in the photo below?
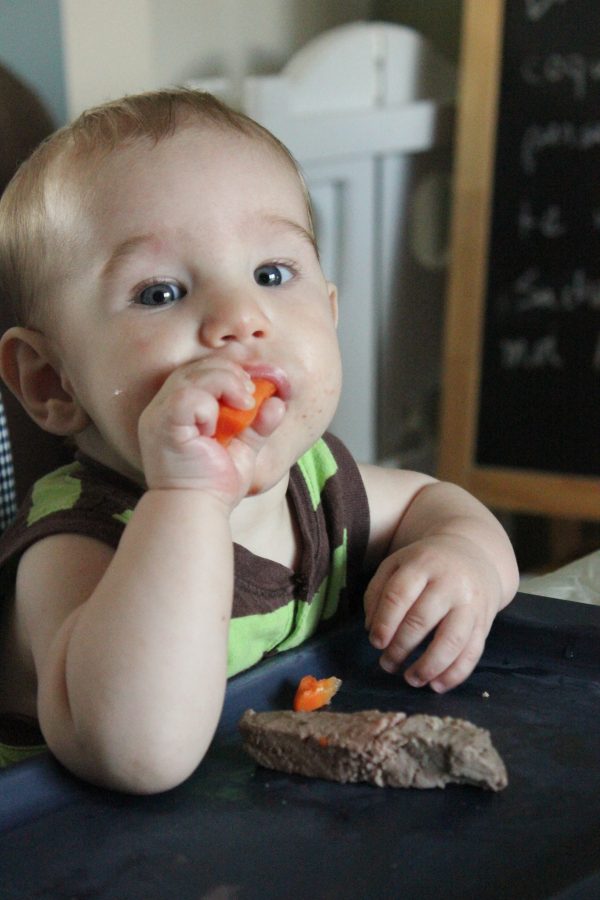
point(233, 319)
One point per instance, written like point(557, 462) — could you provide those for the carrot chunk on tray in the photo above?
point(312, 693)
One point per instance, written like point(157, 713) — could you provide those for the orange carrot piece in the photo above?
point(232, 421)
point(312, 693)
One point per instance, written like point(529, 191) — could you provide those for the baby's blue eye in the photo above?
point(162, 293)
point(272, 275)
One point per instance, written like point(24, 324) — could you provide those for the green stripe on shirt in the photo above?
point(317, 466)
point(56, 491)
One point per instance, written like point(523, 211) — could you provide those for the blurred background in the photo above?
point(76, 53)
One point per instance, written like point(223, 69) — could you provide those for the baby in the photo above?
point(160, 254)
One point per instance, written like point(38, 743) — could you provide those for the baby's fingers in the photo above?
point(421, 617)
point(405, 612)
point(268, 418)
point(390, 593)
point(452, 654)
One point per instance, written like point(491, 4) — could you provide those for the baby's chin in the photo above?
point(262, 485)
point(280, 453)
point(272, 467)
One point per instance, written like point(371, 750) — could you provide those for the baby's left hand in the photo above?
point(443, 583)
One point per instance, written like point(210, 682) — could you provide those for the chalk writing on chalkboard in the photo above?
point(539, 403)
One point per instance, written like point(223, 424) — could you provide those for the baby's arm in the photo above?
point(119, 642)
point(447, 567)
point(130, 649)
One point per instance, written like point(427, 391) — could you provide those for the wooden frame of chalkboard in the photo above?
point(520, 413)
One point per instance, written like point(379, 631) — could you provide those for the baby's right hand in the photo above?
point(176, 428)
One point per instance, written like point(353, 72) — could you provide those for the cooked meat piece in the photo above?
point(386, 749)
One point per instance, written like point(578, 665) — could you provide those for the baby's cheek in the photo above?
point(321, 405)
point(126, 417)
point(125, 403)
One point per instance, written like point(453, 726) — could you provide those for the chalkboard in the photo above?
point(521, 400)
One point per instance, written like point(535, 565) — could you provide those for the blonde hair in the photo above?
point(34, 249)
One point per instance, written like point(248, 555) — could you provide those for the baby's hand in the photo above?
point(442, 583)
point(176, 431)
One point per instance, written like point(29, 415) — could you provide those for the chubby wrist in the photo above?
point(196, 499)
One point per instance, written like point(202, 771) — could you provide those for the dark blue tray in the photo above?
point(237, 831)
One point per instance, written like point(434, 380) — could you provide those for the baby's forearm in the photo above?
point(144, 658)
point(441, 508)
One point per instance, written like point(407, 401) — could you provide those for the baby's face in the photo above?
point(196, 246)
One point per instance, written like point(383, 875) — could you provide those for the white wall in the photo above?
point(114, 47)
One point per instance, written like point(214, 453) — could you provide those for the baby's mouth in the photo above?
point(274, 374)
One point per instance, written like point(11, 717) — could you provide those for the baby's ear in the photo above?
point(27, 368)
